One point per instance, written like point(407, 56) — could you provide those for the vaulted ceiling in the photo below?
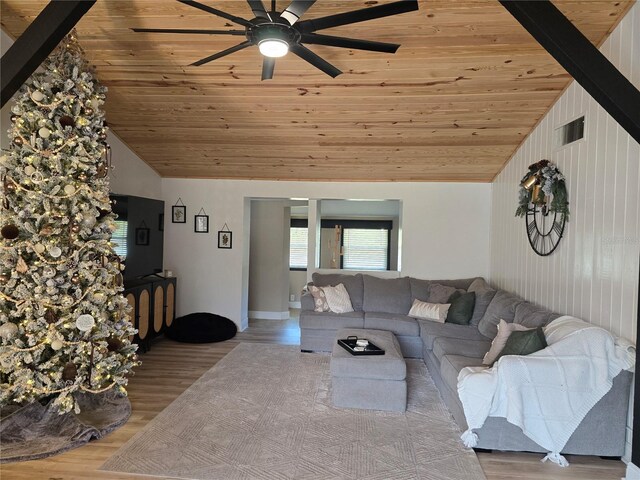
point(457, 99)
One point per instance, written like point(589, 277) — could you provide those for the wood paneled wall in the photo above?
point(594, 272)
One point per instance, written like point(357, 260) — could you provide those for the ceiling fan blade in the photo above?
point(355, 16)
point(181, 30)
point(296, 9)
point(233, 49)
point(268, 63)
point(321, 64)
point(219, 13)
point(257, 7)
point(317, 39)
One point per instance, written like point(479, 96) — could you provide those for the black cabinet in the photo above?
point(153, 302)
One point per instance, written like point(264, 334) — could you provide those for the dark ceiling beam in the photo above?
point(581, 59)
point(37, 42)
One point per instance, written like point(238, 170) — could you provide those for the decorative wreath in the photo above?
point(551, 191)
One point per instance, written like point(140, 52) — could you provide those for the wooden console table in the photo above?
point(153, 302)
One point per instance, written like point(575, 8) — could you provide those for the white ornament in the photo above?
point(69, 189)
point(89, 221)
point(55, 252)
point(39, 248)
point(85, 322)
point(56, 344)
point(8, 330)
point(29, 170)
point(37, 96)
point(44, 132)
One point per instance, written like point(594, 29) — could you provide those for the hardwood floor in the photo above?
point(171, 367)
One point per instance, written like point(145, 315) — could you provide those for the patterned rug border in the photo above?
point(275, 427)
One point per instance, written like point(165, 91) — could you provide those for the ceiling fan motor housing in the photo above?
point(273, 31)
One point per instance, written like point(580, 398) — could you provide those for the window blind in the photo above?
point(119, 238)
point(298, 247)
point(365, 249)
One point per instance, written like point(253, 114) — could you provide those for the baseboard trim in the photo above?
point(295, 305)
point(633, 472)
point(268, 315)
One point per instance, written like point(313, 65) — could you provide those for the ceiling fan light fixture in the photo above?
point(273, 47)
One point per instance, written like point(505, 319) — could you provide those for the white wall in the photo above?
point(445, 233)
point(594, 272)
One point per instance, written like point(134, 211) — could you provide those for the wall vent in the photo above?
point(570, 132)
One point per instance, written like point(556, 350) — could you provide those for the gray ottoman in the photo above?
point(376, 382)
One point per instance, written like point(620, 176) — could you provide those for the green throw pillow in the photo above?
point(461, 309)
point(524, 343)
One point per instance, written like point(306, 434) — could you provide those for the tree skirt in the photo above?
point(37, 431)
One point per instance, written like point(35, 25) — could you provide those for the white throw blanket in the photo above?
point(548, 393)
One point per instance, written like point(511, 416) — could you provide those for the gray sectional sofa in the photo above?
point(446, 348)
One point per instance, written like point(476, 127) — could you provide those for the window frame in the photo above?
point(362, 225)
point(298, 223)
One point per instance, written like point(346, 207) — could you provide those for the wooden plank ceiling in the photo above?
point(460, 95)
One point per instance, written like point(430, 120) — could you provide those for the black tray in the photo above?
point(349, 344)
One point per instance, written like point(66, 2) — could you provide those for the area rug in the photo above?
point(264, 412)
point(39, 431)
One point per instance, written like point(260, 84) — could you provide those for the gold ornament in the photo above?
point(75, 279)
point(99, 297)
point(69, 189)
point(39, 248)
point(4, 277)
point(29, 170)
point(13, 118)
point(21, 266)
point(89, 111)
point(18, 141)
point(83, 177)
point(44, 132)
point(37, 96)
point(8, 330)
point(75, 228)
point(102, 170)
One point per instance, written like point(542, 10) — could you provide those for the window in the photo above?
point(119, 238)
point(365, 249)
point(365, 243)
point(298, 240)
point(570, 132)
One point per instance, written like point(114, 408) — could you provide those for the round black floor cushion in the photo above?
point(201, 328)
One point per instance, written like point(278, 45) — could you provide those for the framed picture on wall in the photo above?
point(224, 239)
point(178, 214)
point(201, 224)
point(142, 236)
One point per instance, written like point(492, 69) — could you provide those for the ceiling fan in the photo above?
point(277, 33)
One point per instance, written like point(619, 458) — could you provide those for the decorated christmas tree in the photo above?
point(64, 324)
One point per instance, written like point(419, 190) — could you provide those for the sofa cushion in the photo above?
point(484, 295)
point(524, 342)
point(436, 312)
point(394, 323)
point(338, 299)
point(331, 321)
point(533, 316)
point(503, 306)
point(450, 366)
point(320, 303)
point(504, 331)
point(419, 289)
point(353, 284)
point(458, 283)
point(439, 293)
point(454, 346)
point(429, 331)
point(388, 295)
point(461, 308)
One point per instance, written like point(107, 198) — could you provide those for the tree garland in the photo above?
point(552, 191)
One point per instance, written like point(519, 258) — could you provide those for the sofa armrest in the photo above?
point(306, 302)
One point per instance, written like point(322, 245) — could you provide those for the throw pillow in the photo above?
point(504, 330)
point(429, 311)
point(461, 309)
point(319, 299)
point(440, 293)
point(524, 343)
point(338, 299)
